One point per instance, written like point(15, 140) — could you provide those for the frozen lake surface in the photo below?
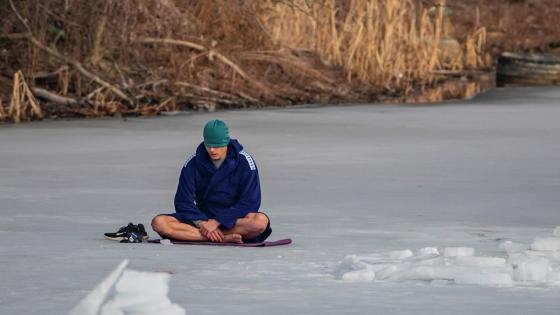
point(340, 181)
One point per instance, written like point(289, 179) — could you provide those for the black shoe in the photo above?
point(132, 237)
point(129, 232)
point(142, 231)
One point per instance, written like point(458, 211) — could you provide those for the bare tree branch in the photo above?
point(67, 60)
point(219, 56)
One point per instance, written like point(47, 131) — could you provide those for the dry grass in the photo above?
point(147, 56)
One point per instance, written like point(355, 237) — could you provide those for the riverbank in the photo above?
point(208, 55)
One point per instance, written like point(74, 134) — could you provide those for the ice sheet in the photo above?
point(343, 180)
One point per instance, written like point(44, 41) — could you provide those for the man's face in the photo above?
point(217, 153)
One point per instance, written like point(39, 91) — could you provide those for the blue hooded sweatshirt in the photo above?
point(225, 194)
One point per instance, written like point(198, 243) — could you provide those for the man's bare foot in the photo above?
point(233, 238)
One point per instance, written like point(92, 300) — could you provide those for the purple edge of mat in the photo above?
point(285, 241)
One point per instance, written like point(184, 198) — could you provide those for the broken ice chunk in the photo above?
point(426, 251)
point(546, 243)
point(148, 298)
point(458, 251)
point(153, 283)
point(165, 242)
point(481, 261)
point(554, 276)
point(495, 279)
point(401, 254)
point(426, 273)
point(385, 273)
point(511, 247)
point(352, 262)
point(532, 269)
point(365, 275)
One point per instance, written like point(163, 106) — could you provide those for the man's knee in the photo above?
point(160, 224)
point(259, 222)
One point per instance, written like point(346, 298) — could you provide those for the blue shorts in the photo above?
point(258, 239)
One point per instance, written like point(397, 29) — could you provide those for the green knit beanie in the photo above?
point(216, 134)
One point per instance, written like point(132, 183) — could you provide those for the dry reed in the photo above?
point(375, 42)
point(3, 115)
point(474, 49)
point(23, 105)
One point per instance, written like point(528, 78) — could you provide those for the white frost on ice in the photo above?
point(557, 231)
point(539, 265)
point(130, 293)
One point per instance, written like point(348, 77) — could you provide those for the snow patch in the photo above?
point(539, 265)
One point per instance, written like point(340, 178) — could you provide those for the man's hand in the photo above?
point(216, 236)
point(210, 230)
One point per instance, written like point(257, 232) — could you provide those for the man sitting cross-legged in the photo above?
point(218, 196)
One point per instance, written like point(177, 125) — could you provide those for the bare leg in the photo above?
point(250, 226)
point(170, 227)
